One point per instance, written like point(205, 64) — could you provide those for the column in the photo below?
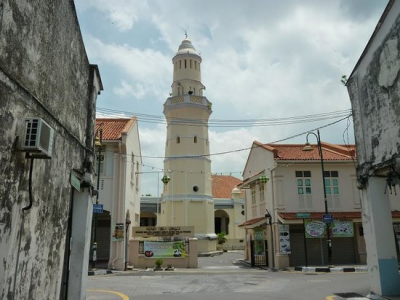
point(80, 244)
point(378, 232)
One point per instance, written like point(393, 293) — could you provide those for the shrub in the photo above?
point(159, 262)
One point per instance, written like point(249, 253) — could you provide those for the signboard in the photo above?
point(166, 231)
point(118, 234)
point(327, 218)
point(75, 182)
point(317, 229)
point(303, 215)
point(314, 229)
point(97, 208)
point(259, 241)
point(342, 229)
point(284, 239)
point(164, 249)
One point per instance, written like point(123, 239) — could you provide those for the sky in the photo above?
point(261, 60)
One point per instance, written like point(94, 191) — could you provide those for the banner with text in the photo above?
point(164, 249)
point(317, 229)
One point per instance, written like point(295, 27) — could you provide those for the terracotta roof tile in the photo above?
point(295, 151)
point(222, 185)
point(113, 128)
point(252, 221)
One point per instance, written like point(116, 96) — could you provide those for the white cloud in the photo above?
point(270, 59)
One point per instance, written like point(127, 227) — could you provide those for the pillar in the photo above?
point(80, 243)
point(380, 244)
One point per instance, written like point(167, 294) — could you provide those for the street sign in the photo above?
point(303, 215)
point(327, 218)
point(97, 208)
point(75, 182)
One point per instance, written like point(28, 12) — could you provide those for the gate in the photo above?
point(259, 254)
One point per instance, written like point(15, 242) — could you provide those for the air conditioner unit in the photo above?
point(38, 139)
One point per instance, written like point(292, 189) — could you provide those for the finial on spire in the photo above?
point(186, 33)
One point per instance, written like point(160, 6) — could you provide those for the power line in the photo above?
point(236, 150)
point(225, 123)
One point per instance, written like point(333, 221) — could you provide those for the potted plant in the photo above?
point(221, 238)
point(158, 262)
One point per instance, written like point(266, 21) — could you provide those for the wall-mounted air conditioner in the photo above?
point(38, 138)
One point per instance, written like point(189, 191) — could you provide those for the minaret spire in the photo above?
point(187, 198)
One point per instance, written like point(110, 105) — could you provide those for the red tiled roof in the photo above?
point(113, 128)
point(252, 221)
point(295, 151)
point(222, 185)
point(344, 215)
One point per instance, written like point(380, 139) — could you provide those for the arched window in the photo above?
point(178, 140)
point(195, 139)
point(190, 63)
point(185, 64)
point(180, 64)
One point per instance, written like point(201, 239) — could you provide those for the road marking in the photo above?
point(124, 297)
point(330, 297)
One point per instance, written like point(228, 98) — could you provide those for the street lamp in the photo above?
point(269, 218)
point(98, 143)
point(307, 147)
point(127, 223)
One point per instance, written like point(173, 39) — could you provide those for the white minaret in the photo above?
point(187, 198)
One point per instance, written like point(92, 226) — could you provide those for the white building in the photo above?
point(295, 187)
point(119, 188)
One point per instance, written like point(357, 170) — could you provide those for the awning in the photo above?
point(253, 223)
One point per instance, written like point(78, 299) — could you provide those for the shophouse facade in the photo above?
point(292, 200)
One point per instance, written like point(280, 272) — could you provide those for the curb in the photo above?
point(99, 272)
point(333, 269)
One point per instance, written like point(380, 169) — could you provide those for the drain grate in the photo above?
point(348, 295)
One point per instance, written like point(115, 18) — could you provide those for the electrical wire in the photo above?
point(226, 152)
point(224, 123)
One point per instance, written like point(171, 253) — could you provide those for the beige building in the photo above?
point(294, 193)
point(227, 212)
point(187, 196)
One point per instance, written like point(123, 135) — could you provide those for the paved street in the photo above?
point(221, 277)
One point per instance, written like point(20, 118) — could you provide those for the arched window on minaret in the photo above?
point(195, 65)
point(178, 140)
point(195, 139)
point(185, 64)
point(180, 64)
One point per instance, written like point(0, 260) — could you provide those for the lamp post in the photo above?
point(263, 180)
point(165, 181)
point(307, 147)
point(127, 223)
point(98, 144)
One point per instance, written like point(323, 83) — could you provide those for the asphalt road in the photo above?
point(222, 278)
